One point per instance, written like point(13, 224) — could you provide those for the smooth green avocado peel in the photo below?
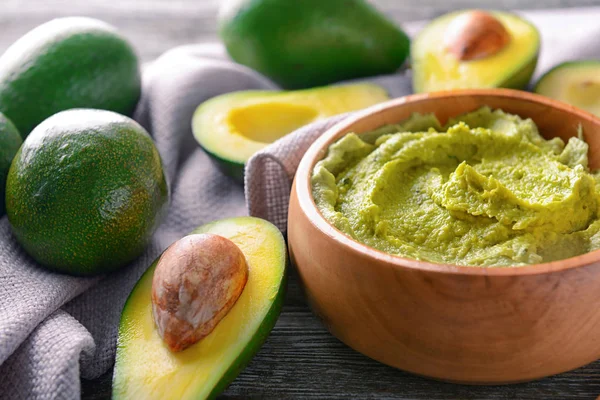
point(485, 190)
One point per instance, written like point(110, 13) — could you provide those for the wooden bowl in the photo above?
point(460, 324)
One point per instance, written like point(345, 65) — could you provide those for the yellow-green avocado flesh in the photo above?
point(233, 126)
point(485, 190)
point(146, 369)
point(434, 68)
point(575, 82)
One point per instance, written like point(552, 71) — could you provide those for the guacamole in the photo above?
point(485, 190)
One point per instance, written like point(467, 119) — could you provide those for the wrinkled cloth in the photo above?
point(55, 328)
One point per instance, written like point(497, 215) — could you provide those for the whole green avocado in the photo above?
point(72, 62)
point(305, 43)
point(10, 141)
point(86, 191)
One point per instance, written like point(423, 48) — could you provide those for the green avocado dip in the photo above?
point(485, 190)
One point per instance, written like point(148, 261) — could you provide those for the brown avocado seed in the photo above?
point(474, 35)
point(196, 282)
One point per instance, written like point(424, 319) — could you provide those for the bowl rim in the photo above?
point(315, 153)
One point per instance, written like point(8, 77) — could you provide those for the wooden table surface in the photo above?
point(300, 359)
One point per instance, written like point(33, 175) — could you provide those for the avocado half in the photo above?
point(574, 82)
point(234, 126)
point(146, 369)
point(435, 68)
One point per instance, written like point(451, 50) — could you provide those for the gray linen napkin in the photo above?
point(54, 328)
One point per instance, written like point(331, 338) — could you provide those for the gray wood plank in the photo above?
point(154, 26)
point(302, 360)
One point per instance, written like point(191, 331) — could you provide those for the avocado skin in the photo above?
point(369, 94)
point(66, 63)
point(232, 169)
point(86, 191)
point(261, 334)
point(309, 43)
point(521, 79)
point(259, 338)
point(10, 142)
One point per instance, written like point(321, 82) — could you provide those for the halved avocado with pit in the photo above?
point(234, 126)
point(575, 82)
point(437, 67)
point(146, 369)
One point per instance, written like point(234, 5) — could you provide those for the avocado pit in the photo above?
point(197, 281)
point(475, 35)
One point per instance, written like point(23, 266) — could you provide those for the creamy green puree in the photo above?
point(485, 190)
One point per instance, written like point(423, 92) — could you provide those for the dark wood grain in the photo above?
point(300, 359)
